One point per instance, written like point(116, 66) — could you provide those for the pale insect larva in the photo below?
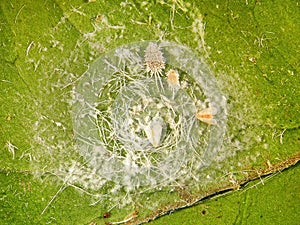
point(206, 115)
point(154, 131)
point(154, 61)
point(173, 79)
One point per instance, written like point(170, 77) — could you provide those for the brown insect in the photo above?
point(106, 215)
point(206, 115)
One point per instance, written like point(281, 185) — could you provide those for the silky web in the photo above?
point(135, 131)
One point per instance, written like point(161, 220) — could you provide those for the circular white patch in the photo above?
point(135, 131)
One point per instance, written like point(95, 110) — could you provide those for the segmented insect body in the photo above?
point(173, 79)
point(206, 115)
point(154, 61)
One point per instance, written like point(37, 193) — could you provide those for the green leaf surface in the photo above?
point(251, 47)
point(271, 200)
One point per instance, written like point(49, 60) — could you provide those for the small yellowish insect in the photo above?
point(173, 79)
point(206, 115)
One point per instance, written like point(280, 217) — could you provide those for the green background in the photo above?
point(252, 46)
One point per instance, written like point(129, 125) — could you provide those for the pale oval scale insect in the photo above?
point(154, 131)
point(206, 115)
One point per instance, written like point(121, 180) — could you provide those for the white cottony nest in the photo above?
point(137, 131)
